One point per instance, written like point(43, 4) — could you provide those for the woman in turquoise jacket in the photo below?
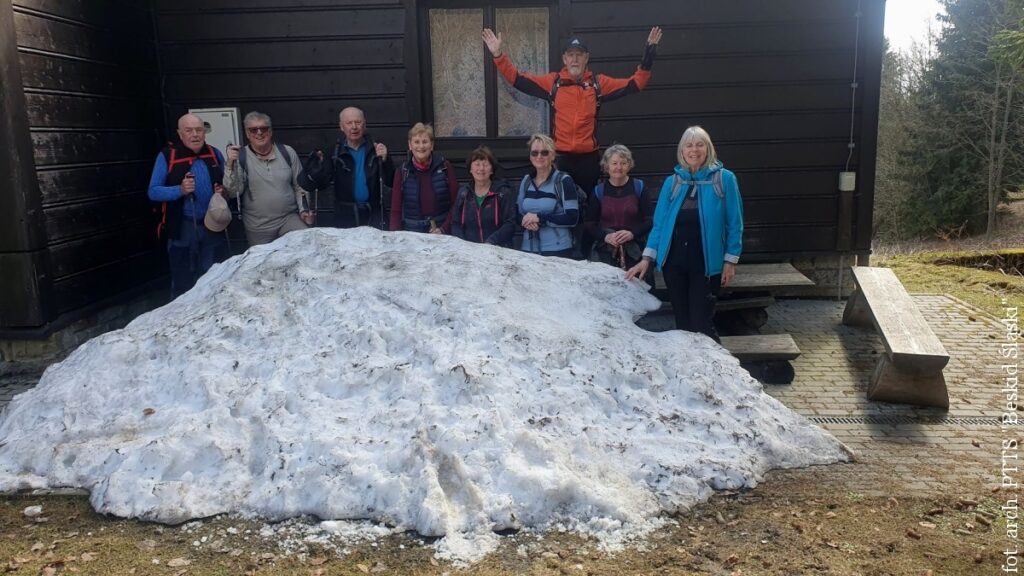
point(698, 233)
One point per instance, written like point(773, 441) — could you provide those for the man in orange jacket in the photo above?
point(575, 93)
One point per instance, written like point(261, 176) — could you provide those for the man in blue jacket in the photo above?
point(186, 175)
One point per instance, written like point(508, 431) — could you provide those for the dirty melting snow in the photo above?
point(419, 381)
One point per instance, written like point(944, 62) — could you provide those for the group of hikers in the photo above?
point(691, 230)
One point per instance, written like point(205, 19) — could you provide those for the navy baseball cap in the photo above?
point(574, 43)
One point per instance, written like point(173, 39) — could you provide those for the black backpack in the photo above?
point(638, 189)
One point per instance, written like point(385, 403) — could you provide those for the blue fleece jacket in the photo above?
point(158, 192)
point(721, 218)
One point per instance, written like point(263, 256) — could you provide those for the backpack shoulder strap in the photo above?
point(524, 183)
point(559, 190)
point(405, 172)
point(243, 157)
point(460, 202)
point(211, 154)
point(284, 152)
point(172, 159)
point(716, 183)
point(677, 183)
point(597, 87)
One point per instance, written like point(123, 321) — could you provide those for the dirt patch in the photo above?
point(796, 523)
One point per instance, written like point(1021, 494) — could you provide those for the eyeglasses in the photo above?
point(258, 129)
point(544, 152)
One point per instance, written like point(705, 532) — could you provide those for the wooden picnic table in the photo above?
point(758, 278)
point(749, 295)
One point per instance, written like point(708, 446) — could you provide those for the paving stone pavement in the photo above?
point(901, 450)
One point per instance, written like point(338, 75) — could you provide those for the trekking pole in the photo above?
point(242, 193)
point(380, 186)
point(193, 249)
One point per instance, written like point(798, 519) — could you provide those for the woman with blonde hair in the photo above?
point(424, 188)
point(548, 203)
point(697, 235)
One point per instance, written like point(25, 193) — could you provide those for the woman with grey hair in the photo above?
point(697, 235)
point(620, 215)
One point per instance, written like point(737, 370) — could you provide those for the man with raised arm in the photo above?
point(575, 93)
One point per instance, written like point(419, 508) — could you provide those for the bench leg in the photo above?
point(856, 311)
point(892, 384)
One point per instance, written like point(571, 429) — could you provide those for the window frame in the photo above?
point(423, 58)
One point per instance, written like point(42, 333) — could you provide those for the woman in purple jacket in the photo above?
point(620, 214)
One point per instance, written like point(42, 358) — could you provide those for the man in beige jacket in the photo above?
point(264, 176)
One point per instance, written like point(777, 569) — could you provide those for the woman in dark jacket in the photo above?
point(424, 189)
point(484, 210)
point(620, 214)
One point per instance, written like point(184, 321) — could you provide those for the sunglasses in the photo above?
point(536, 153)
point(258, 130)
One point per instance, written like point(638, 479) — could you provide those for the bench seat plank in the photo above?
point(908, 339)
point(761, 347)
point(911, 370)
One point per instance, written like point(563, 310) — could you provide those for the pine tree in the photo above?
point(970, 144)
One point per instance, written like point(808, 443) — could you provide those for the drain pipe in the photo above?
point(839, 284)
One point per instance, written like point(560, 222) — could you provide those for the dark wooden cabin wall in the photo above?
point(25, 286)
point(92, 94)
point(770, 81)
point(299, 61)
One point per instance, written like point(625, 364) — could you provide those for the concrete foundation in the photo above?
point(60, 343)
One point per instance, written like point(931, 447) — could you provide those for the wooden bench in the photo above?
point(761, 347)
point(911, 369)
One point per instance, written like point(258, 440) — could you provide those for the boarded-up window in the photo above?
point(527, 44)
point(463, 105)
point(458, 72)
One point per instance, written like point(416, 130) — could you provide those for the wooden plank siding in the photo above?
point(24, 268)
point(770, 81)
point(104, 80)
point(300, 61)
point(92, 97)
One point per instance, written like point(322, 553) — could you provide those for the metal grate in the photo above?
point(897, 419)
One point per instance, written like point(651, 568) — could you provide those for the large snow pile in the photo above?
point(418, 380)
